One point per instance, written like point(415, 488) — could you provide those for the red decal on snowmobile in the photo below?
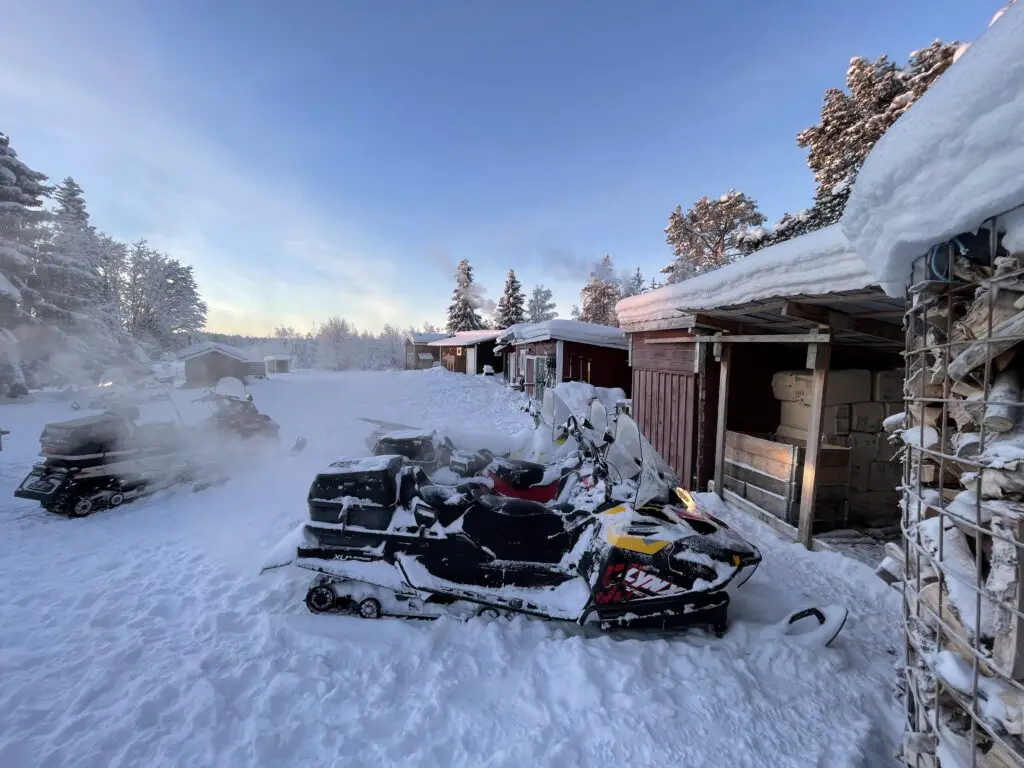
point(541, 493)
point(640, 579)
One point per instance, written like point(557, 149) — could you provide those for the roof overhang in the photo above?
point(865, 317)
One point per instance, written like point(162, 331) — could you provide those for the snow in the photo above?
point(7, 287)
point(565, 330)
point(465, 339)
point(816, 263)
point(422, 337)
point(952, 161)
point(145, 636)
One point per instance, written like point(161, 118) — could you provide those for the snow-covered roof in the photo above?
point(814, 264)
point(422, 337)
point(465, 339)
point(953, 160)
point(565, 330)
point(214, 346)
point(275, 358)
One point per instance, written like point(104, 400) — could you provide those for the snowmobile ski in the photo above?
point(797, 628)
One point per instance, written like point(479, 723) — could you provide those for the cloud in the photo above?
point(96, 108)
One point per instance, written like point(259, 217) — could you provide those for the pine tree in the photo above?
point(599, 295)
point(704, 237)
point(541, 308)
point(21, 198)
point(21, 218)
point(72, 293)
point(462, 312)
point(510, 309)
point(633, 285)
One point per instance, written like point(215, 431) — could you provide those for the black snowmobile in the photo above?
point(238, 415)
point(384, 540)
point(102, 461)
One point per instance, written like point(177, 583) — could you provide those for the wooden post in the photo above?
point(817, 361)
point(723, 355)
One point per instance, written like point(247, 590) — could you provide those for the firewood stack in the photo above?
point(962, 438)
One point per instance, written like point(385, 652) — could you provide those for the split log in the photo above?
point(1001, 411)
point(974, 325)
point(1002, 362)
point(967, 445)
point(956, 637)
point(912, 386)
point(929, 415)
point(1003, 338)
point(998, 757)
point(1005, 583)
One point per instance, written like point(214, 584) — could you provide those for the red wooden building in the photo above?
point(540, 355)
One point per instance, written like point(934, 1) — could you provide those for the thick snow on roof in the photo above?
point(465, 339)
point(565, 330)
point(953, 160)
point(816, 263)
point(214, 346)
point(421, 337)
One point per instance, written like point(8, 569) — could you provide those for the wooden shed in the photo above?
point(540, 355)
point(418, 352)
point(208, 362)
point(469, 352)
point(278, 363)
point(731, 383)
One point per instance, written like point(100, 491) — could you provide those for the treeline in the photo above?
point(73, 300)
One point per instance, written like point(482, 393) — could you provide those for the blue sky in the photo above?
point(326, 158)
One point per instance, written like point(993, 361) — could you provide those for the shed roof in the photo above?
point(791, 288)
point(273, 358)
point(205, 347)
point(422, 337)
point(565, 330)
point(465, 339)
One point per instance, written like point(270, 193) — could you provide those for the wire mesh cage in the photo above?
point(963, 506)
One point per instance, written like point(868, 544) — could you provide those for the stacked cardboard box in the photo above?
point(856, 404)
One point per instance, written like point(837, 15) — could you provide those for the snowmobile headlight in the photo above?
point(686, 499)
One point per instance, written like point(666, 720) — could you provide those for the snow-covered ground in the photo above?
point(143, 636)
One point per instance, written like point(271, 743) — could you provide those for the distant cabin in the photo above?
point(418, 352)
point(209, 362)
point(469, 352)
point(278, 363)
point(541, 355)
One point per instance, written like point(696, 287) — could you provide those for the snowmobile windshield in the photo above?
point(634, 459)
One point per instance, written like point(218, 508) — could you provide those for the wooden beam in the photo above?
point(819, 359)
point(764, 338)
point(840, 321)
point(672, 340)
point(723, 412)
point(717, 322)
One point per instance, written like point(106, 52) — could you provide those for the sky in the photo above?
point(316, 158)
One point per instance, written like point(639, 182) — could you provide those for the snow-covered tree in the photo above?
point(71, 293)
point(574, 313)
point(633, 285)
point(541, 308)
point(21, 217)
point(654, 285)
point(510, 309)
point(600, 294)
point(21, 198)
point(160, 299)
point(703, 237)
point(462, 313)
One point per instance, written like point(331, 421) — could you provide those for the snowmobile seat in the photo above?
point(447, 502)
point(517, 529)
point(518, 474)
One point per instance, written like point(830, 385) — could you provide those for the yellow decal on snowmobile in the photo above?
point(636, 543)
point(616, 510)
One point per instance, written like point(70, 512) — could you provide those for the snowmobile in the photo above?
point(101, 461)
point(238, 415)
point(384, 540)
